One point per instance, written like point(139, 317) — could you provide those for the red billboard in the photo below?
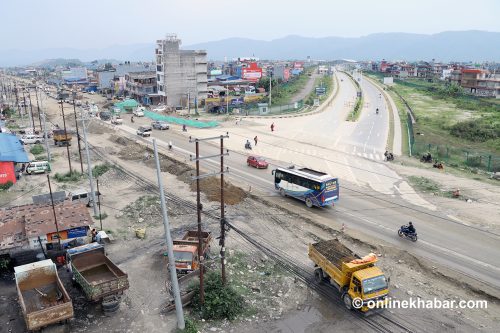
point(252, 72)
point(286, 74)
point(7, 172)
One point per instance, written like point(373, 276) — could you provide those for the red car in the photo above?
point(257, 162)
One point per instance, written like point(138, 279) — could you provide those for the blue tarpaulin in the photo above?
point(11, 149)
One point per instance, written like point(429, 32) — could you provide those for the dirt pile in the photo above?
point(94, 127)
point(211, 188)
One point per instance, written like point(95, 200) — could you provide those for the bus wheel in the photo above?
point(309, 203)
point(282, 192)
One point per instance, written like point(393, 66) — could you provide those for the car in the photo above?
point(105, 115)
point(139, 112)
point(117, 120)
point(257, 162)
point(31, 138)
point(161, 125)
point(144, 131)
point(160, 108)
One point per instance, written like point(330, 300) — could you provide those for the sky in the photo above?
point(40, 24)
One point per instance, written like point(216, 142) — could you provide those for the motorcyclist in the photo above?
point(410, 228)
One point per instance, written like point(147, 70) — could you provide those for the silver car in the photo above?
point(161, 125)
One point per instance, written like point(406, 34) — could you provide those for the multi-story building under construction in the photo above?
point(181, 74)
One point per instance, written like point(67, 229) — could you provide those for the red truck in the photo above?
point(186, 250)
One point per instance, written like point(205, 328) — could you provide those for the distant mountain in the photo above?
point(57, 62)
point(445, 46)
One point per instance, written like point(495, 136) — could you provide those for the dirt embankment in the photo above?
point(210, 186)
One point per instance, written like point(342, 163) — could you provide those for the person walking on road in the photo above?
point(255, 140)
point(272, 127)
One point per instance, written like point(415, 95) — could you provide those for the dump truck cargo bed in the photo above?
point(42, 296)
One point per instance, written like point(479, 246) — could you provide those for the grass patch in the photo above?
point(6, 186)
point(283, 92)
point(190, 327)
point(68, 177)
point(221, 301)
point(424, 184)
point(37, 149)
point(100, 169)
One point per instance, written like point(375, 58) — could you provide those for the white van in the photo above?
point(38, 167)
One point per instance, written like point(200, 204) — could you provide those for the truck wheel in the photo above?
point(282, 192)
point(347, 301)
point(318, 275)
point(309, 203)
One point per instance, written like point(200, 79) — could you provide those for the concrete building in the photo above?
point(75, 75)
point(477, 81)
point(142, 87)
point(113, 79)
point(180, 73)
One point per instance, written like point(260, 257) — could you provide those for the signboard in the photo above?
point(77, 232)
point(320, 91)
point(237, 101)
point(316, 102)
point(251, 74)
point(7, 172)
point(53, 236)
point(215, 72)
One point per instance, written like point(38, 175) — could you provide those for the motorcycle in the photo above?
point(248, 146)
point(389, 156)
point(403, 232)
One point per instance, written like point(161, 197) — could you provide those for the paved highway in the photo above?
point(375, 207)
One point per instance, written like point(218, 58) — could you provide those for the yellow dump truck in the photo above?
point(361, 284)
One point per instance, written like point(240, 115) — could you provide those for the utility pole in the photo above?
point(89, 167)
point(24, 107)
point(222, 242)
point(78, 133)
point(66, 136)
point(189, 102)
point(198, 200)
point(17, 98)
point(38, 107)
point(170, 246)
point(227, 99)
point(54, 211)
point(45, 135)
point(99, 201)
point(198, 211)
point(270, 88)
point(31, 110)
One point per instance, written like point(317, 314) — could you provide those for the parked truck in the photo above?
point(42, 296)
point(62, 137)
point(101, 280)
point(186, 250)
point(355, 278)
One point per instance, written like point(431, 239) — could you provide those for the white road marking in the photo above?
point(371, 156)
point(377, 157)
point(365, 155)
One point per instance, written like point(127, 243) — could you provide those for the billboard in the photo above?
point(7, 172)
point(252, 72)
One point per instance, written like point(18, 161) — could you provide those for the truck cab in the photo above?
point(186, 258)
point(369, 284)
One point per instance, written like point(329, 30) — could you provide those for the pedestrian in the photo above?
point(255, 139)
point(93, 234)
point(272, 127)
point(170, 145)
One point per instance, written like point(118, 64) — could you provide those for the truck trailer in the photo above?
point(42, 296)
point(101, 280)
